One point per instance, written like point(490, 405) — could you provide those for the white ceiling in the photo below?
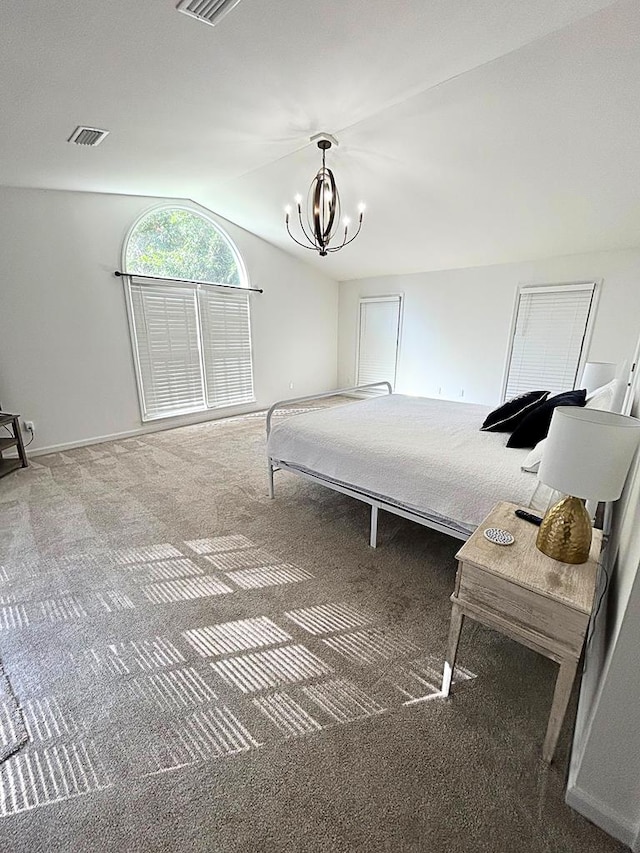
point(477, 131)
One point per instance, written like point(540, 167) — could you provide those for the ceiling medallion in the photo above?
point(323, 208)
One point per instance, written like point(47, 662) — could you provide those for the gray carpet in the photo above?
point(202, 669)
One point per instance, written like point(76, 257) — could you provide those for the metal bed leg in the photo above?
point(373, 538)
point(271, 492)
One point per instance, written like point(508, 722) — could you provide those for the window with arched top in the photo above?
point(190, 322)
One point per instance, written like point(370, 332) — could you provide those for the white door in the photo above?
point(632, 393)
point(378, 338)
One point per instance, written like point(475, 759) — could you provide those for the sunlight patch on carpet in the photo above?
point(13, 730)
point(326, 618)
point(269, 576)
point(45, 720)
point(287, 715)
point(39, 777)
point(145, 553)
point(165, 570)
point(343, 700)
point(13, 616)
point(185, 589)
point(219, 544)
point(251, 557)
point(235, 636)
point(371, 646)
point(135, 704)
point(272, 668)
point(176, 689)
point(130, 656)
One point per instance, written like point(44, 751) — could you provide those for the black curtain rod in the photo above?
point(187, 281)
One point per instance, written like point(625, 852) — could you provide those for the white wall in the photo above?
point(456, 323)
point(65, 353)
point(604, 779)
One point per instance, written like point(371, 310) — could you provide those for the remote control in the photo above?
point(528, 516)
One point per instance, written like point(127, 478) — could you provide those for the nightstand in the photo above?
point(519, 591)
point(12, 423)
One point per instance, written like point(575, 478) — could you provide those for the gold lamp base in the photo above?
point(565, 532)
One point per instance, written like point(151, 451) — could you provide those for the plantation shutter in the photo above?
point(167, 348)
point(549, 338)
point(378, 339)
point(226, 346)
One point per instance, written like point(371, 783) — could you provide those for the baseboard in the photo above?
point(603, 816)
point(155, 426)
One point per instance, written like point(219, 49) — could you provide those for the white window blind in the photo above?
point(378, 339)
point(192, 346)
point(226, 337)
point(165, 319)
point(549, 338)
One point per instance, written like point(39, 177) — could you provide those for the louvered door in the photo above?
point(378, 338)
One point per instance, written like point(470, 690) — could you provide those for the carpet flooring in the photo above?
point(201, 669)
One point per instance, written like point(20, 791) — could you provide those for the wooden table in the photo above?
point(540, 602)
point(7, 441)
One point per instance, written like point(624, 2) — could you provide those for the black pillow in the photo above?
point(535, 425)
point(507, 416)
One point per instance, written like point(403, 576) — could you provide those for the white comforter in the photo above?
point(423, 454)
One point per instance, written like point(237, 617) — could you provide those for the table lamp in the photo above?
point(587, 456)
point(596, 374)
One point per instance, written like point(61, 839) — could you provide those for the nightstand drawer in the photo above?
point(523, 608)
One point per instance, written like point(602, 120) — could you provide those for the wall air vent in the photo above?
point(209, 11)
point(88, 136)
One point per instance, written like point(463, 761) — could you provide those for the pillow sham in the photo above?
point(605, 397)
point(507, 416)
point(536, 423)
point(533, 460)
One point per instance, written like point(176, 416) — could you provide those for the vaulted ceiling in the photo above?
point(477, 131)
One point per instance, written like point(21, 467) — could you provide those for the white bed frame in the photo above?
point(376, 504)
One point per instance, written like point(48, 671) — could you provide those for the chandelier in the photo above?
point(323, 208)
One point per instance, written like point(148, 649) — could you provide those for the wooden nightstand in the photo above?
point(518, 590)
point(12, 422)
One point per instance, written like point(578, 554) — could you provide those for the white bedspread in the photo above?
point(425, 455)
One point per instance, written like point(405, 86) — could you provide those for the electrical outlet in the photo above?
point(28, 425)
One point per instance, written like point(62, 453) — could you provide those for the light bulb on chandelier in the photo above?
point(323, 208)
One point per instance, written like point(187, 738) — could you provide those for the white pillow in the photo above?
point(606, 398)
point(534, 458)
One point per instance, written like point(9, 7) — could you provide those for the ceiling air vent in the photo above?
point(88, 136)
point(209, 11)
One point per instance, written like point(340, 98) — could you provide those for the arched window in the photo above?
point(191, 332)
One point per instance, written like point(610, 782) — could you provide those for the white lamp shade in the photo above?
point(588, 452)
point(596, 374)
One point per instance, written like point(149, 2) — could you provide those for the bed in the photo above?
point(419, 458)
